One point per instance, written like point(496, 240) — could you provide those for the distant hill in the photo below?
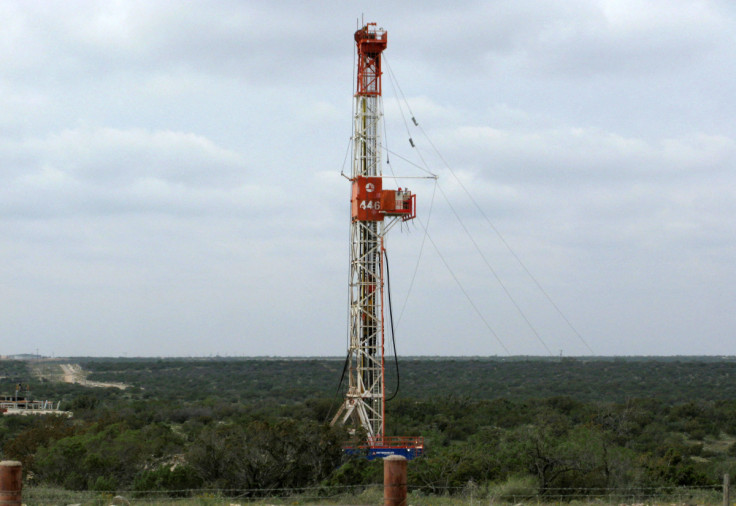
point(22, 356)
point(608, 379)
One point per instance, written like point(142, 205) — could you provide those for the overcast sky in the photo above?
point(170, 176)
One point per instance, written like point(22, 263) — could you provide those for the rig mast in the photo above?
point(374, 210)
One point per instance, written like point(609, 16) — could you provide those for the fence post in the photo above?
point(394, 480)
point(11, 483)
point(726, 490)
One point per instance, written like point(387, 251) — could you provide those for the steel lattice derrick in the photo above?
point(374, 211)
point(365, 398)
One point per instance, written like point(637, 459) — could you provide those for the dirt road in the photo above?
point(73, 373)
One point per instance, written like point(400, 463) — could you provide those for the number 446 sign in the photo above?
point(370, 204)
point(366, 200)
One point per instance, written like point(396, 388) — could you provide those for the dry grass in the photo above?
point(42, 496)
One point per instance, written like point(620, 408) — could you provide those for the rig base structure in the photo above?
point(408, 447)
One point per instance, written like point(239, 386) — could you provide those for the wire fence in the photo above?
point(373, 494)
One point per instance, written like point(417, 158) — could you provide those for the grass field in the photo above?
point(43, 496)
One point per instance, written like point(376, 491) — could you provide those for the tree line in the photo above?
point(165, 434)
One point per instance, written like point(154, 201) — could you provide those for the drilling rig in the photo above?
point(374, 211)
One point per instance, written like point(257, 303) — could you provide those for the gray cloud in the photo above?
point(106, 170)
point(170, 182)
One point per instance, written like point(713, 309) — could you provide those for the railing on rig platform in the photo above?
point(410, 447)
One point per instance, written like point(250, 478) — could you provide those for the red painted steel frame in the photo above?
point(371, 42)
point(366, 199)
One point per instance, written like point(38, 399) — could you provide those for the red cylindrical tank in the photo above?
point(11, 483)
point(394, 481)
